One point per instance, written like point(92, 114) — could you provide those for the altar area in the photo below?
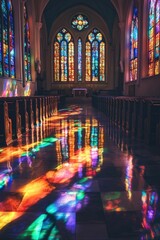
point(79, 92)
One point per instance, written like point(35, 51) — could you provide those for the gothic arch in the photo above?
point(95, 21)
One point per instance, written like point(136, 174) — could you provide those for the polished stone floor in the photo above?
point(78, 177)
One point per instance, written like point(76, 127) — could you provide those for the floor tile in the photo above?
point(91, 232)
point(123, 224)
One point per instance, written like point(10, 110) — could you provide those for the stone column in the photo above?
point(22, 3)
point(122, 44)
point(37, 29)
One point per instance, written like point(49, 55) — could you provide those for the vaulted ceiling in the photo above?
point(103, 7)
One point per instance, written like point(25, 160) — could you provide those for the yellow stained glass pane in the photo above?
point(56, 62)
point(151, 69)
point(71, 61)
point(157, 67)
point(88, 61)
point(102, 61)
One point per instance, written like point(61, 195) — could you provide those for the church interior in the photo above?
point(79, 119)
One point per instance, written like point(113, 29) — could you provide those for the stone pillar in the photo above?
point(22, 37)
point(122, 57)
point(37, 29)
point(122, 44)
point(37, 55)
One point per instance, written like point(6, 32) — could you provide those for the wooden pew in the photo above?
point(129, 114)
point(30, 112)
point(35, 110)
point(14, 115)
point(5, 125)
point(24, 114)
point(152, 121)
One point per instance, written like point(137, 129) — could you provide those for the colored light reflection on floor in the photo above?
point(149, 209)
point(79, 152)
point(61, 211)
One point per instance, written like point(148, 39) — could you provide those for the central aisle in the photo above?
point(77, 177)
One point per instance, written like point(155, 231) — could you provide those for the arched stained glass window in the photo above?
point(95, 57)
point(27, 48)
point(63, 52)
point(7, 44)
point(154, 37)
point(134, 45)
point(79, 59)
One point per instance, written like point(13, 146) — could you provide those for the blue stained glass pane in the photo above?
point(135, 33)
point(79, 60)
point(135, 52)
point(95, 61)
point(27, 47)
point(5, 37)
point(64, 66)
point(7, 45)
point(12, 43)
point(157, 52)
point(9, 5)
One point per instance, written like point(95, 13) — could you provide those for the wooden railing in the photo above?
point(19, 114)
point(139, 116)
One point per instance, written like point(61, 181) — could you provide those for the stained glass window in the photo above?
point(79, 59)
point(11, 41)
point(7, 44)
point(95, 57)
point(63, 52)
point(154, 37)
point(27, 48)
point(80, 22)
point(134, 45)
point(157, 39)
point(1, 65)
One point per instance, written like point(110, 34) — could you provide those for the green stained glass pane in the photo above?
point(91, 37)
point(59, 37)
point(68, 37)
point(99, 36)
